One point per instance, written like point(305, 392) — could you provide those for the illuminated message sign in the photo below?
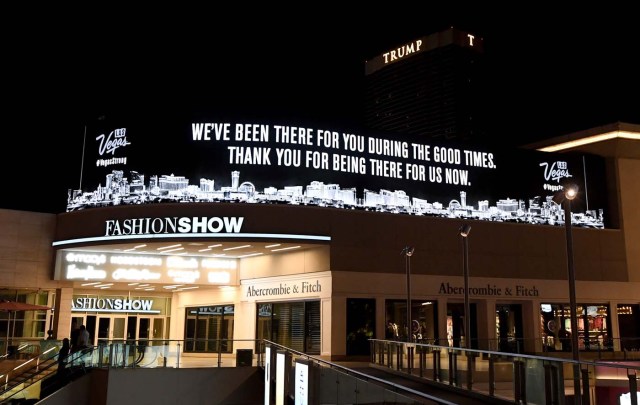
point(178, 270)
point(280, 163)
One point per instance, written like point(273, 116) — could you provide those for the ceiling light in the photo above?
point(94, 283)
point(218, 245)
point(286, 248)
point(172, 250)
point(270, 246)
point(237, 247)
point(250, 254)
point(169, 247)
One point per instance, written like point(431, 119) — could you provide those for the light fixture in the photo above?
point(465, 230)
point(172, 250)
point(566, 195)
point(169, 247)
point(285, 248)
point(408, 252)
point(237, 247)
point(591, 139)
point(248, 255)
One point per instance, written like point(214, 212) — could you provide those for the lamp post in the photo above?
point(568, 194)
point(464, 232)
point(408, 252)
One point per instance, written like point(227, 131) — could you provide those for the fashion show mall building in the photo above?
point(318, 238)
point(299, 235)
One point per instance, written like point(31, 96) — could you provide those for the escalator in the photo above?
point(39, 376)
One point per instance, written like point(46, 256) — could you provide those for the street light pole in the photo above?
point(408, 251)
point(464, 232)
point(569, 194)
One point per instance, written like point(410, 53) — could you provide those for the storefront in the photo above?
point(110, 317)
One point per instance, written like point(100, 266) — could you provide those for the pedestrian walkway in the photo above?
point(420, 385)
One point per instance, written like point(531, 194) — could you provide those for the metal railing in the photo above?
point(508, 376)
point(335, 384)
point(518, 378)
point(594, 347)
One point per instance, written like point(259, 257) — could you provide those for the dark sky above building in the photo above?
point(550, 73)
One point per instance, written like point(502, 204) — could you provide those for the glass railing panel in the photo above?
point(327, 384)
point(534, 380)
point(503, 373)
point(347, 389)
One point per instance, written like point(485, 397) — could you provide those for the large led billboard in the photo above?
point(256, 162)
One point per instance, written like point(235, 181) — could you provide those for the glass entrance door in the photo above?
point(104, 327)
point(158, 328)
point(110, 328)
point(144, 330)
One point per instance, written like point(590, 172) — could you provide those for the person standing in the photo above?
point(75, 332)
point(62, 355)
point(83, 338)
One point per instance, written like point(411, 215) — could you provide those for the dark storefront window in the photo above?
point(629, 325)
point(295, 325)
point(361, 325)
point(593, 327)
point(456, 334)
point(509, 328)
point(424, 320)
point(209, 329)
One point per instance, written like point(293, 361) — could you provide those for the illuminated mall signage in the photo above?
point(553, 173)
point(107, 145)
point(245, 162)
point(490, 290)
point(148, 226)
point(140, 268)
point(316, 287)
point(139, 306)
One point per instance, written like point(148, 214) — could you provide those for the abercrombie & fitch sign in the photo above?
point(166, 225)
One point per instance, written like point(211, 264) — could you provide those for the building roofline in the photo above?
point(588, 136)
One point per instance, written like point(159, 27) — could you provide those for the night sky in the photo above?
point(551, 72)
